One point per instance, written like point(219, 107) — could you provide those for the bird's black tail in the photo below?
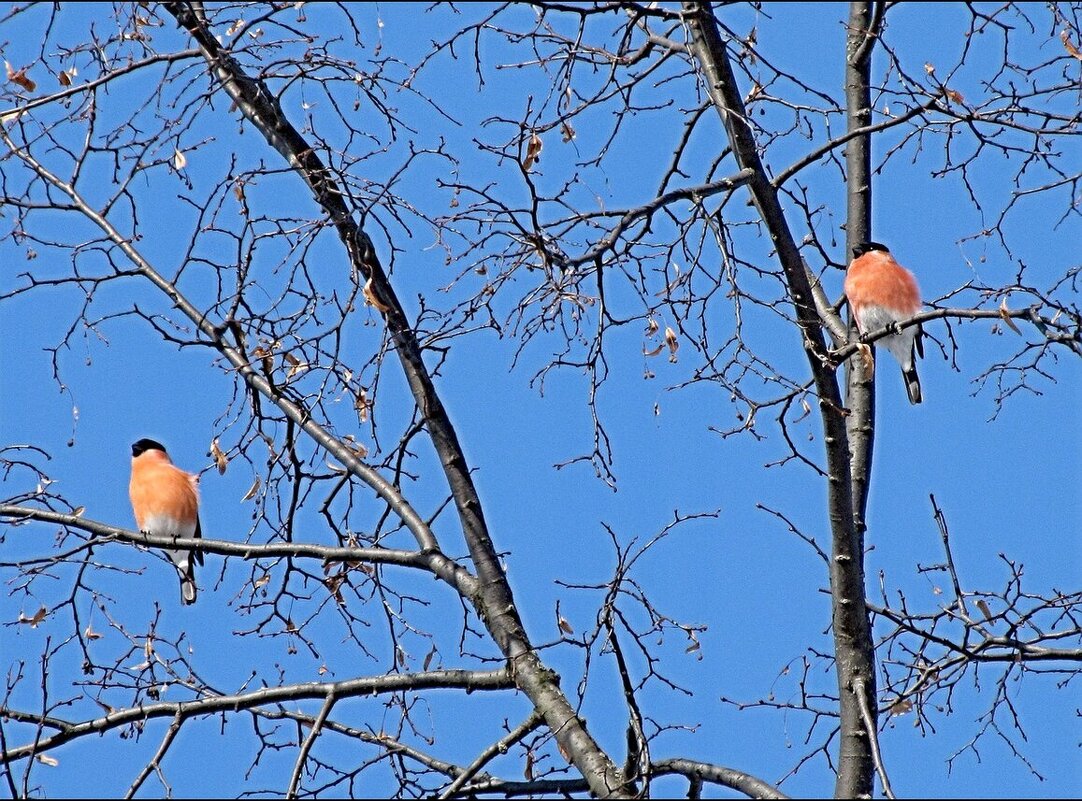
point(187, 583)
point(912, 384)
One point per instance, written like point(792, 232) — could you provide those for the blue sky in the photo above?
point(1007, 479)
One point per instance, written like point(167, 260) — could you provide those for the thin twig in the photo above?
point(156, 761)
point(499, 747)
point(873, 736)
point(309, 741)
point(944, 533)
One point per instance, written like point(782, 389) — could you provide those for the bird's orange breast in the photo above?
point(876, 279)
point(159, 488)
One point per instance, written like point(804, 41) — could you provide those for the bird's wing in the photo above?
point(198, 552)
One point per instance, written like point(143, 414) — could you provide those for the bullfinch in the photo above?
point(165, 500)
point(881, 292)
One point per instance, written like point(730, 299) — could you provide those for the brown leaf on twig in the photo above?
point(251, 493)
point(361, 404)
point(1065, 37)
point(295, 365)
point(20, 78)
point(370, 297)
point(36, 619)
point(865, 352)
point(672, 342)
point(220, 459)
point(533, 152)
point(1005, 313)
point(901, 706)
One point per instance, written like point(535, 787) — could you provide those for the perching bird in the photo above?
point(165, 500)
point(880, 292)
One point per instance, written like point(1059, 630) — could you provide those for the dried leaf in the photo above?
point(322, 670)
point(984, 609)
point(20, 78)
point(36, 619)
point(64, 78)
point(370, 297)
point(428, 658)
point(901, 706)
point(527, 771)
point(220, 459)
point(90, 634)
point(264, 354)
point(672, 342)
point(567, 131)
point(1005, 313)
point(180, 161)
point(295, 365)
point(261, 581)
point(238, 191)
point(79, 512)
point(533, 152)
point(334, 583)
point(865, 352)
point(45, 759)
point(251, 493)
point(360, 450)
point(290, 626)
point(653, 352)
point(955, 96)
point(565, 627)
point(361, 404)
point(651, 327)
point(1065, 36)
point(929, 68)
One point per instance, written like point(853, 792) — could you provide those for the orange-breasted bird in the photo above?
point(165, 500)
point(881, 292)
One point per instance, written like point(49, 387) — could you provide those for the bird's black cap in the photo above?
point(868, 247)
point(144, 445)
